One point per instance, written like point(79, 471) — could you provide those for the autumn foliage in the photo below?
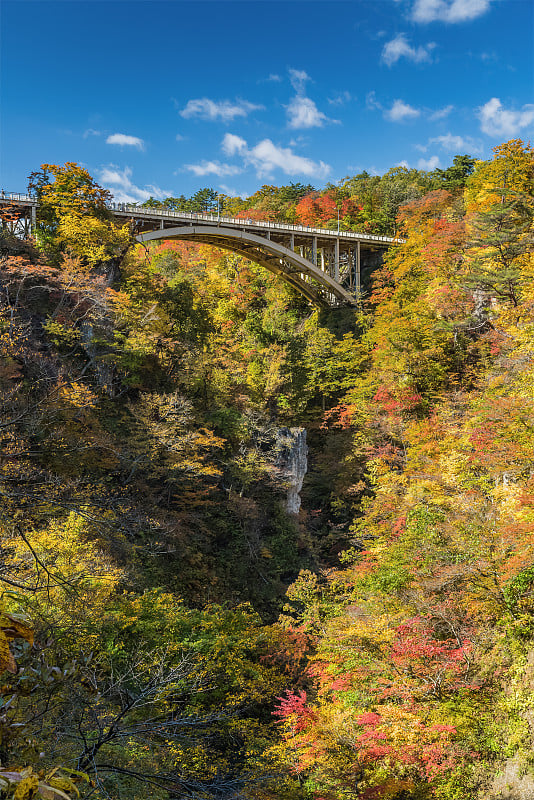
point(167, 629)
point(428, 630)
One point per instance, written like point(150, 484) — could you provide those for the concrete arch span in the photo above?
point(290, 266)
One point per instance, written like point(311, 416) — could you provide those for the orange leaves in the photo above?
point(294, 711)
point(256, 214)
point(340, 416)
point(316, 210)
point(444, 251)
point(434, 665)
point(74, 395)
point(429, 208)
point(11, 212)
point(12, 628)
point(400, 736)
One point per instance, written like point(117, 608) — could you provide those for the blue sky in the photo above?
point(164, 97)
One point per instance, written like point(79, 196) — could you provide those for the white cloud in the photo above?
point(371, 103)
point(271, 79)
point(340, 99)
point(448, 10)
point(213, 168)
point(123, 190)
point(91, 132)
point(498, 121)
point(429, 163)
point(266, 157)
point(225, 110)
point(125, 141)
point(404, 164)
point(298, 78)
point(401, 111)
point(232, 144)
point(231, 192)
point(303, 113)
point(457, 143)
point(441, 113)
point(180, 138)
point(399, 48)
point(489, 57)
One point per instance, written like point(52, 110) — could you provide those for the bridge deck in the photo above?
point(328, 266)
point(165, 215)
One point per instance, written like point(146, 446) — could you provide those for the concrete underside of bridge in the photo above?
point(300, 273)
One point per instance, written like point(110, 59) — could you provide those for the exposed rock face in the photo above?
point(292, 461)
point(511, 783)
point(514, 779)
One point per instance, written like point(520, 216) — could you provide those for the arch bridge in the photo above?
point(327, 266)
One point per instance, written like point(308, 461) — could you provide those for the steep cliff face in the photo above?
point(292, 461)
point(511, 783)
point(514, 779)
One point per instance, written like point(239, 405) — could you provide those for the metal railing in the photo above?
point(244, 222)
point(143, 212)
point(16, 196)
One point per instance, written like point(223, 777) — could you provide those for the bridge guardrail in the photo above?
point(15, 196)
point(160, 212)
point(238, 222)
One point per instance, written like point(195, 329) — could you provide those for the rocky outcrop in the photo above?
point(292, 463)
point(511, 783)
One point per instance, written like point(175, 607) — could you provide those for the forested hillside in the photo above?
point(361, 202)
point(168, 628)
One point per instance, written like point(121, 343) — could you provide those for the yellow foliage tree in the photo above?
point(93, 240)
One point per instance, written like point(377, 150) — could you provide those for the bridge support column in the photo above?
point(161, 225)
point(357, 268)
point(314, 251)
point(33, 226)
point(322, 258)
point(291, 241)
point(336, 260)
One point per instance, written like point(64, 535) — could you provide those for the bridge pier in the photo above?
point(357, 268)
point(336, 260)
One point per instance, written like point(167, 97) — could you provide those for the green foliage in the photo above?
point(454, 178)
point(143, 522)
point(500, 239)
point(64, 337)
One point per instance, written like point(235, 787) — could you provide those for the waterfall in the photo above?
point(292, 461)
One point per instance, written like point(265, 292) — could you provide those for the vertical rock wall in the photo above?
point(292, 461)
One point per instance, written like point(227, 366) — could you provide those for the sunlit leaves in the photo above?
point(431, 617)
